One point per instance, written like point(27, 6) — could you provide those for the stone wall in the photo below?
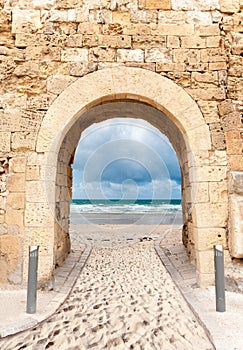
point(46, 45)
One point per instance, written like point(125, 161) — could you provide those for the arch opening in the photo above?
point(106, 111)
point(134, 93)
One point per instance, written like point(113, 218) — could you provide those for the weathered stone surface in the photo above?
point(25, 21)
point(158, 4)
point(158, 55)
point(46, 46)
point(130, 55)
point(16, 182)
point(16, 200)
point(229, 6)
point(9, 257)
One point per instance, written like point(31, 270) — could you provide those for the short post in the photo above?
point(219, 278)
point(32, 280)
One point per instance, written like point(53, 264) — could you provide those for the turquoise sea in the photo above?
point(141, 211)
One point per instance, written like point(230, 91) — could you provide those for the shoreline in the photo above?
point(126, 218)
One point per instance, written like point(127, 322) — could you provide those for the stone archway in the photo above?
point(94, 98)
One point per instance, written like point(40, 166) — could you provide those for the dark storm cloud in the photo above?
point(118, 150)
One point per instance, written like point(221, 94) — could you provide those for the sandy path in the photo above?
point(123, 299)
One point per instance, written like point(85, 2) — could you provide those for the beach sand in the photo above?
point(123, 299)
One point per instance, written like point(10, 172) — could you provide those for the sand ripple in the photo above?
point(123, 299)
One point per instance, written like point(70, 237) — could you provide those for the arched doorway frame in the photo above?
point(143, 86)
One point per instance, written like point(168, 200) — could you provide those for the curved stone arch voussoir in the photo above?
point(123, 83)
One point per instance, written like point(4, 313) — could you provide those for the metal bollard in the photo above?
point(219, 278)
point(32, 280)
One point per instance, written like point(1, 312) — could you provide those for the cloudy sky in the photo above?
point(125, 159)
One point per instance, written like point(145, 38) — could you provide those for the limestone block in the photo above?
point(206, 78)
point(185, 5)
point(121, 41)
point(56, 84)
point(209, 110)
point(74, 55)
point(231, 121)
point(218, 192)
point(213, 55)
point(90, 40)
point(135, 28)
point(218, 158)
point(235, 86)
point(39, 236)
point(204, 18)
point(88, 28)
point(143, 16)
point(43, 53)
point(124, 55)
point(206, 238)
point(17, 165)
point(173, 42)
point(40, 102)
point(208, 30)
point(172, 17)
point(9, 247)
point(205, 279)
point(97, 54)
point(15, 217)
point(58, 16)
point(213, 41)
point(82, 14)
point(217, 66)
point(79, 69)
point(234, 142)
point(237, 44)
point(210, 214)
point(16, 200)
point(10, 120)
point(193, 42)
point(186, 55)
point(148, 41)
point(188, 5)
point(30, 69)
point(238, 23)
point(43, 4)
point(229, 6)
point(170, 67)
point(235, 224)
point(205, 261)
point(36, 191)
point(217, 135)
point(226, 107)
point(207, 94)
point(163, 55)
point(235, 66)
point(32, 172)
point(16, 182)
point(235, 180)
point(175, 29)
point(158, 4)
point(25, 21)
point(5, 21)
point(208, 173)
point(200, 193)
point(22, 141)
point(63, 4)
point(235, 162)
point(38, 215)
point(5, 140)
point(75, 40)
